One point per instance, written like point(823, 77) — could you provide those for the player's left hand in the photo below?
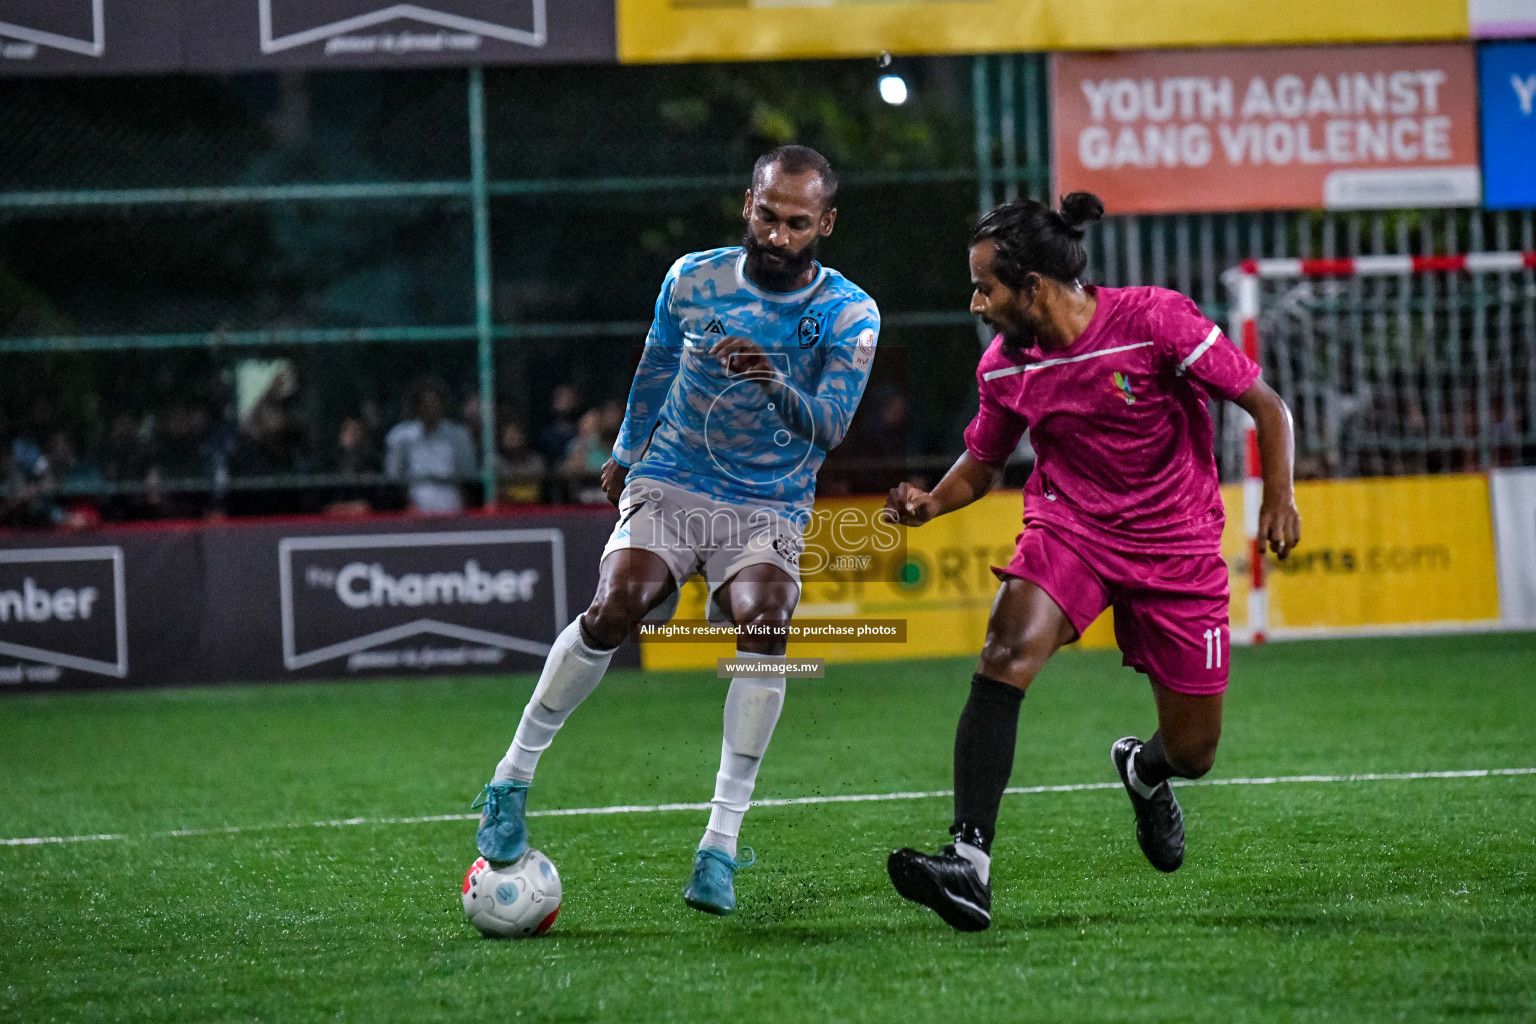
point(741, 357)
point(1279, 525)
point(613, 476)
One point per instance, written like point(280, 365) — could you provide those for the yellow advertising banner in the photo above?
point(1389, 552)
point(1398, 551)
point(942, 584)
point(699, 30)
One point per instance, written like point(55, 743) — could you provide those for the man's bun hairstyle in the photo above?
point(1031, 238)
point(1079, 208)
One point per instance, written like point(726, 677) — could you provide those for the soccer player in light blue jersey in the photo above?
point(751, 373)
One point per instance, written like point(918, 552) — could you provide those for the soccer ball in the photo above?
point(517, 901)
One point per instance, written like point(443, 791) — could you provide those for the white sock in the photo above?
point(752, 709)
point(571, 672)
point(980, 860)
point(1136, 784)
point(720, 841)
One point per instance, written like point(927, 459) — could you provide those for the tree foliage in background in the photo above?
point(559, 255)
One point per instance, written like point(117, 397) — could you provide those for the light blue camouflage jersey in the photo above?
point(720, 434)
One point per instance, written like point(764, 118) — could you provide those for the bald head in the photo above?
point(797, 162)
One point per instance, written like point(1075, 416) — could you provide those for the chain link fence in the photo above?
point(163, 240)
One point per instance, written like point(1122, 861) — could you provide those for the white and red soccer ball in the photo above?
point(518, 901)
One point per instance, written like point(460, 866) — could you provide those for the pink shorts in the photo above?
point(1170, 610)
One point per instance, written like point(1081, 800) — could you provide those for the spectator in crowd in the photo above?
point(29, 486)
point(519, 468)
point(122, 460)
point(69, 468)
point(28, 460)
point(122, 454)
point(595, 434)
point(430, 453)
point(30, 477)
point(170, 455)
point(181, 449)
point(272, 443)
point(596, 431)
point(269, 443)
point(891, 429)
point(885, 442)
point(354, 455)
point(355, 450)
point(610, 420)
point(72, 473)
point(875, 451)
point(155, 501)
point(557, 436)
point(12, 498)
point(40, 425)
point(469, 415)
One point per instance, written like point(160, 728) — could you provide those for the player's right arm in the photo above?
point(989, 440)
point(659, 364)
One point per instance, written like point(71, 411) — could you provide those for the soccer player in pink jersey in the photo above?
point(1123, 510)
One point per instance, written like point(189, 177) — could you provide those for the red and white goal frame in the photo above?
point(1244, 280)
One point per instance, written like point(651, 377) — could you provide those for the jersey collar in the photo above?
point(1090, 335)
point(803, 293)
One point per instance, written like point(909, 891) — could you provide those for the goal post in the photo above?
point(1431, 341)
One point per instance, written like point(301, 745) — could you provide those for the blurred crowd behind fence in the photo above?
point(227, 295)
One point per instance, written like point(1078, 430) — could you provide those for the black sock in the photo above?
point(984, 742)
point(1152, 765)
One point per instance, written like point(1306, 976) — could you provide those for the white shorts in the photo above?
point(694, 533)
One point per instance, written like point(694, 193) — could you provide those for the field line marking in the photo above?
point(40, 840)
point(851, 798)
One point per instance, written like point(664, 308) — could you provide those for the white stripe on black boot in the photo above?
point(1159, 822)
point(953, 883)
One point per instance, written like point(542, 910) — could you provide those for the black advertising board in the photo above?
point(63, 608)
point(89, 37)
point(84, 37)
point(222, 35)
point(77, 610)
point(301, 599)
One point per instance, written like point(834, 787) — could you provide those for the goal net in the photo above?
point(1391, 365)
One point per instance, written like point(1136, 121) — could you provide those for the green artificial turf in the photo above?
point(1348, 901)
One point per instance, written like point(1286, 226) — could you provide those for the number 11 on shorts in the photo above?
point(1213, 648)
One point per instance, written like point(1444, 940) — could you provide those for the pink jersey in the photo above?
point(1118, 421)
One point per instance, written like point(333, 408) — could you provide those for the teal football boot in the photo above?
point(712, 888)
point(503, 835)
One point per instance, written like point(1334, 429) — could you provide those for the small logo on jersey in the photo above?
point(864, 353)
point(1123, 387)
point(634, 511)
point(789, 548)
point(714, 327)
point(809, 331)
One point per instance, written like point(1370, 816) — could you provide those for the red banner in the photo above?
point(1337, 127)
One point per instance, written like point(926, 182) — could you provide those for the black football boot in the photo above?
point(945, 883)
point(1159, 822)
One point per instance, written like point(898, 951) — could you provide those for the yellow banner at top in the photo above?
point(688, 30)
